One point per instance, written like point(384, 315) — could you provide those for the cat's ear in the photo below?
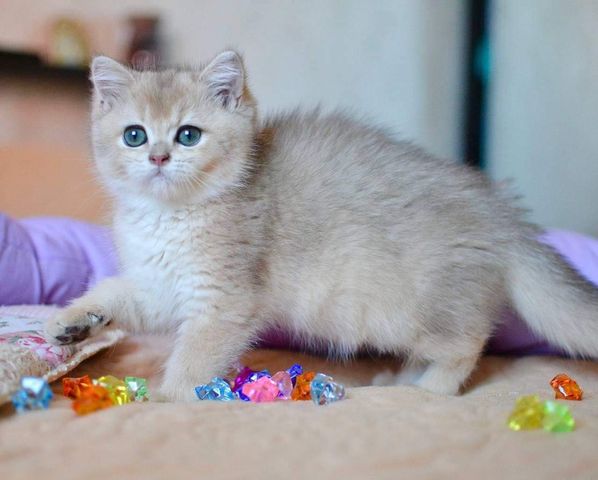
point(225, 78)
point(110, 79)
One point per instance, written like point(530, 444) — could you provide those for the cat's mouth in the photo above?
point(157, 177)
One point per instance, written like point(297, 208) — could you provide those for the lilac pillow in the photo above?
point(52, 260)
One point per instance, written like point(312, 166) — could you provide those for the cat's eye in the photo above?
point(134, 136)
point(188, 135)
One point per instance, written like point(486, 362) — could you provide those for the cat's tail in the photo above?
point(556, 302)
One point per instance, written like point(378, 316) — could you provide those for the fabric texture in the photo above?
point(24, 350)
point(375, 433)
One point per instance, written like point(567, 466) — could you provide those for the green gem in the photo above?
point(528, 413)
point(138, 388)
point(557, 417)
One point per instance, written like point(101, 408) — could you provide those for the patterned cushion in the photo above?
point(25, 351)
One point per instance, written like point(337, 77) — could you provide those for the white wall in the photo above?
point(397, 61)
point(543, 120)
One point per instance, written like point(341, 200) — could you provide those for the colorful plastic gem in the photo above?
point(325, 390)
point(565, 388)
point(284, 384)
point(247, 375)
point(218, 389)
point(302, 390)
point(137, 388)
point(74, 387)
point(241, 378)
point(294, 371)
point(92, 399)
point(257, 375)
point(34, 394)
point(557, 417)
point(262, 390)
point(528, 413)
point(117, 389)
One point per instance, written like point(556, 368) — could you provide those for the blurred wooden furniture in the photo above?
point(37, 180)
point(45, 166)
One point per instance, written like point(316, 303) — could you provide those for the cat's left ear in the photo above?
point(110, 80)
point(225, 78)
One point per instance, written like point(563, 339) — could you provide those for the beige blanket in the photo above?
point(377, 432)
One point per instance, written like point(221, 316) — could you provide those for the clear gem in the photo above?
point(325, 390)
point(284, 383)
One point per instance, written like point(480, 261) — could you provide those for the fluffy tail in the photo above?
point(555, 301)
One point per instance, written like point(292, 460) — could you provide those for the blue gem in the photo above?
point(294, 371)
point(34, 394)
point(325, 390)
point(218, 389)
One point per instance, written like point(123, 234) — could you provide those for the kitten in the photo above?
point(317, 224)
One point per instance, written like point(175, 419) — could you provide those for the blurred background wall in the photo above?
point(543, 107)
point(400, 62)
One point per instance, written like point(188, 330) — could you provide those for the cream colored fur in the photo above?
point(318, 224)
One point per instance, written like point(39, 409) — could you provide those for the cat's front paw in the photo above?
point(74, 324)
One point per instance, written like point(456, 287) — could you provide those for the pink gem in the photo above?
point(262, 390)
point(284, 383)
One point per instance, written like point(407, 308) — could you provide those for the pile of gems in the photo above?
point(250, 385)
point(261, 386)
point(531, 413)
point(88, 395)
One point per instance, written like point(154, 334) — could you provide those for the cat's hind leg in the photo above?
point(444, 376)
point(447, 375)
point(455, 322)
point(454, 334)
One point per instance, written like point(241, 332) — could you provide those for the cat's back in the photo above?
point(323, 164)
point(330, 148)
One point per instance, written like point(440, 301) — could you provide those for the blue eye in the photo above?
point(188, 135)
point(134, 136)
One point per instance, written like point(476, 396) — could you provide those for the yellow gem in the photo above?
point(117, 389)
point(528, 413)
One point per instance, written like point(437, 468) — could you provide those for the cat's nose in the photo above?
point(159, 160)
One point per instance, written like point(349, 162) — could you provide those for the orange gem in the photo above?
point(74, 387)
point(566, 388)
point(302, 390)
point(92, 399)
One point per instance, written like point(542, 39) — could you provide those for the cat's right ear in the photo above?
point(110, 80)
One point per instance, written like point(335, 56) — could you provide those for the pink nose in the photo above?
point(159, 160)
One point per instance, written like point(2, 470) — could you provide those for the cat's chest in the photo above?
point(165, 258)
point(160, 244)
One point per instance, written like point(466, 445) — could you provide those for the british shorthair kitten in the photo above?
point(228, 226)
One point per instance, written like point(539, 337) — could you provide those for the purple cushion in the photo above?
point(53, 260)
point(514, 337)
